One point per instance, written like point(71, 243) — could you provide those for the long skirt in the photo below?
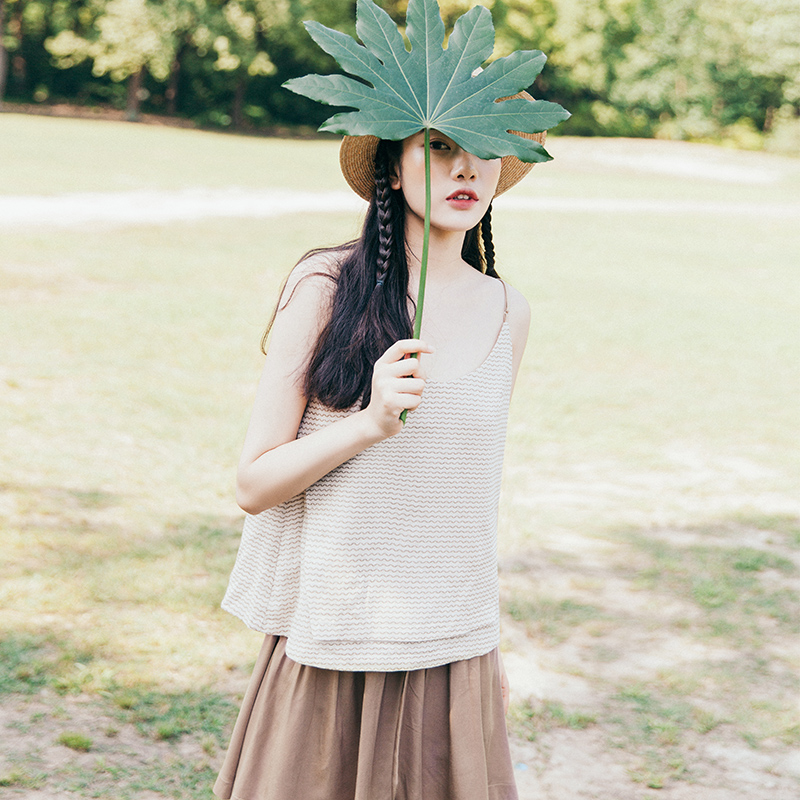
point(305, 733)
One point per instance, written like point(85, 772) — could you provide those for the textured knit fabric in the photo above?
point(314, 734)
point(389, 561)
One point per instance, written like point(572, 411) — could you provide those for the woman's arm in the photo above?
point(275, 465)
point(505, 687)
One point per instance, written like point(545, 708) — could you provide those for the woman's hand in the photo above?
point(397, 384)
point(505, 690)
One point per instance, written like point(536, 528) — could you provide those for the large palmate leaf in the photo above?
point(398, 92)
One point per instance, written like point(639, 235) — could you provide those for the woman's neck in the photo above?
point(444, 253)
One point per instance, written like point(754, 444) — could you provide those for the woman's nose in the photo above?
point(464, 165)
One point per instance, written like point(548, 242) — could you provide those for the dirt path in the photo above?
point(162, 208)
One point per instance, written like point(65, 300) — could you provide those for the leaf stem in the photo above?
point(423, 267)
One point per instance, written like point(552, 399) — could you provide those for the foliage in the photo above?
point(430, 87)
point(703, 69)
point(685, 67)
point(131, 34)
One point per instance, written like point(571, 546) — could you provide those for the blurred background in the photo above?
point(716, 70)
point(650, 518)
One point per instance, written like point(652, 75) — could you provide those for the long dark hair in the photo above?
point(370, 308)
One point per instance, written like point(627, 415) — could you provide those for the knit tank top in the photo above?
point(389, 562)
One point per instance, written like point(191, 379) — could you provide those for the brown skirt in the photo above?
point(314, 734)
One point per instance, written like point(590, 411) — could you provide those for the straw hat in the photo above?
point(357, 160)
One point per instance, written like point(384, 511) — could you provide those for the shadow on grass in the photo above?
point(30, 663)
point(125, 740)
point(684, 636)
point(135, 598)
point(86, 546)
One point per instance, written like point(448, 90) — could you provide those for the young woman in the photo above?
point(369, 551)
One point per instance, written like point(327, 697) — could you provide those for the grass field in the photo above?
point(650, 531)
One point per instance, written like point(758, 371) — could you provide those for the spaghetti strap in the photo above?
point(505, 299)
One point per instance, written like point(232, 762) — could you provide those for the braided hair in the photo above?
point(383, 207)
point(478, 247)
point(371, 308)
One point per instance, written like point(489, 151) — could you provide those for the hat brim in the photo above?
point(357, 161)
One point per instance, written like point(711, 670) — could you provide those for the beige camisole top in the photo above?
point(389, 562)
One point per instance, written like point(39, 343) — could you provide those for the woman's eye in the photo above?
point(437, 144)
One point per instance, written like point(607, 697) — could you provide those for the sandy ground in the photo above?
point(161, 208)
point(673, 159)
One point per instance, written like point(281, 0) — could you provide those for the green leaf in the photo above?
point(402, 91)
point(471, 42)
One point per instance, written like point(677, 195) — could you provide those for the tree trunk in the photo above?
point(238, 102)
point(172, 87)
point(769, 119)
point(3, 54)
point(17, 66)
point(134, 99)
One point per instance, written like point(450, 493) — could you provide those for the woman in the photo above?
point(369, 551)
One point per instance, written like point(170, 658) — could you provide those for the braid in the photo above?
point(488, 243)
point(383, 202)
point(361, 322)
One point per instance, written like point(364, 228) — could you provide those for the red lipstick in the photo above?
point(463, 198)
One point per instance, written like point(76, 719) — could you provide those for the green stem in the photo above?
point(423, 267)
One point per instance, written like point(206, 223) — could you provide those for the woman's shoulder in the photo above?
point(312, 280)
point(501, 294)
point(518, 316)
point(320, 264)
point(519, 310)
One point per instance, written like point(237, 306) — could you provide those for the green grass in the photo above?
point(654, 729)
point(118, 156)
point(23, 779)
point(786, 527)
point(29, 663)
point(23, 665)
point(529, 719)
point(657, 400)
point(547, 618)
point(174, 776)
point(728, 583)
point(76, 741)
point(165, 716)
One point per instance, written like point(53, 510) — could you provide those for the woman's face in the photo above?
point(462, 185)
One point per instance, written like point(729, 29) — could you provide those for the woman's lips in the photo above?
point(463, 198)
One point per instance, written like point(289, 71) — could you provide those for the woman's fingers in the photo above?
point(398, 369)
point(402, 348)
point(401, 384)
point(505, 688)
point(396, 384)
point(409, 401)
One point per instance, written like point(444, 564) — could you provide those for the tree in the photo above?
point(698, 66)
point(773, 46)
point(129, 37)
point(3, 52)
point(236, 34)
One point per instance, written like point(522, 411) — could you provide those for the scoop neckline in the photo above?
point(474, 370)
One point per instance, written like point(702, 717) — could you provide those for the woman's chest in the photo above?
point(462, 337)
